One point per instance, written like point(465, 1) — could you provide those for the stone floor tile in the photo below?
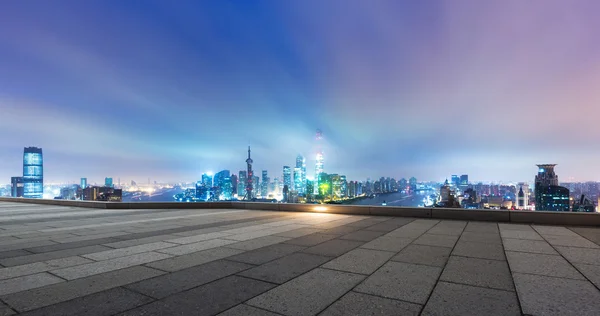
point(193, 259)
point(580, 255)
point(362, 261)
point(27, 282)
point(523, 245)
point(266, 254)
point(554, 230)
point(13, 253)
point(198, 238)
point(362, 304)
point(518, 234)
point(487, 238)
point(140, 241)
point(247, 310)
point(38, 267)
point(298, 232)
point(333, 248)
point(108, 302)
point(570, 241)
point(128, 251)
point(478, 272)
point(482, 227)
point(89, 269)
point(450, 299)
point(436, 240)
point(521, 227)
point(311, 240)
point(402, 281)
point(308, 294)
point(405, 232)
point(5, 310)
point(592, 234)
point(428, 255)
point(388, 243)
point(257, 243)
point(286, 268)
point(542, 295)
point(25, 245)
point(383, 227)
point(195, 247)
point(534, 263)
point(592, 272)
point(169, 284)
point(362, 235)
point(72, 245)
point(479, 250)
point(31, 258)
point(341, 230)
point(222, 295)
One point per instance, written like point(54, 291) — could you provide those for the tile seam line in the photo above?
point(443, 268)
point(512, 278)
point(572, 265)
point(379, 268)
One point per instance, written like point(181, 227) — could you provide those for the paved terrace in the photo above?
point(58, 260)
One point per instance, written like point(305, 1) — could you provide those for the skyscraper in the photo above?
point(455, 180)
point(83, 183)
point(287, 177)
point(207, 180)
point(16, 187)
point(242, 182)
point(234, 184)
point(33, 173)
point(319, 159)
point(548, 195)
point(264, 185)
point(222, 183)
point(250, 178)
point(108, 182)
point(298, 180)
point(300, 183)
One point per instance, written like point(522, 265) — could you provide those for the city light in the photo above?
point(320, 209)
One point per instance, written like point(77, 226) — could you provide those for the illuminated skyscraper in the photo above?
point(242, 182)
point(108, 182)
point(33, 173)
point(207, 180)
point(300, 182)
point(83, 183)
point(548, 195)
point(223, 185)
point(234, 183)
point(287, 177)
point(250, 183)
point(16, 186)
point(412, 182)
point(319, 159)
point(264, 185)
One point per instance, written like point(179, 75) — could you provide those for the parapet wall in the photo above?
point(524, 217)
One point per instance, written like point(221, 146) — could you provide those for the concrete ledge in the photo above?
point(556, 218)
point(471, 215)
point(400, 211)
point(529, 217)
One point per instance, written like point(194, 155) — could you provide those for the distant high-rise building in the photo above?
point(464, 180)
point(455, 180)
point(242, 182)
point(319, 159)
point(255, 184)
point(251, 185)
point(234, 183)
point(264, 185)
point(287, 177)
point(548, 195)
point(403, 184)
point(33, 173)
point(445, 192)
point(412, 182)
point(207, 180)
point(521, 199)
point(524, 187)
point(16, 187)
point(83, 183)
point(298, 187)
point(222, 183)
point(108, 182)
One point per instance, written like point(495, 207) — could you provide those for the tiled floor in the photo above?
point(75, 261)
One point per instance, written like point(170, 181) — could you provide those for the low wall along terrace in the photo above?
point(525, 217)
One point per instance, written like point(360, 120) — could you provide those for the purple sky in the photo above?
point(171, 89)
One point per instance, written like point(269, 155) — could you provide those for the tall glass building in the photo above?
point(33, 173)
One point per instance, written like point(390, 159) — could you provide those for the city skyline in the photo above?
point(167, 91)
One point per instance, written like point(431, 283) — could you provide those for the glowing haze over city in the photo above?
point(169, 90)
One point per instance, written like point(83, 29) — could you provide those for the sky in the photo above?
point(168, 90)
